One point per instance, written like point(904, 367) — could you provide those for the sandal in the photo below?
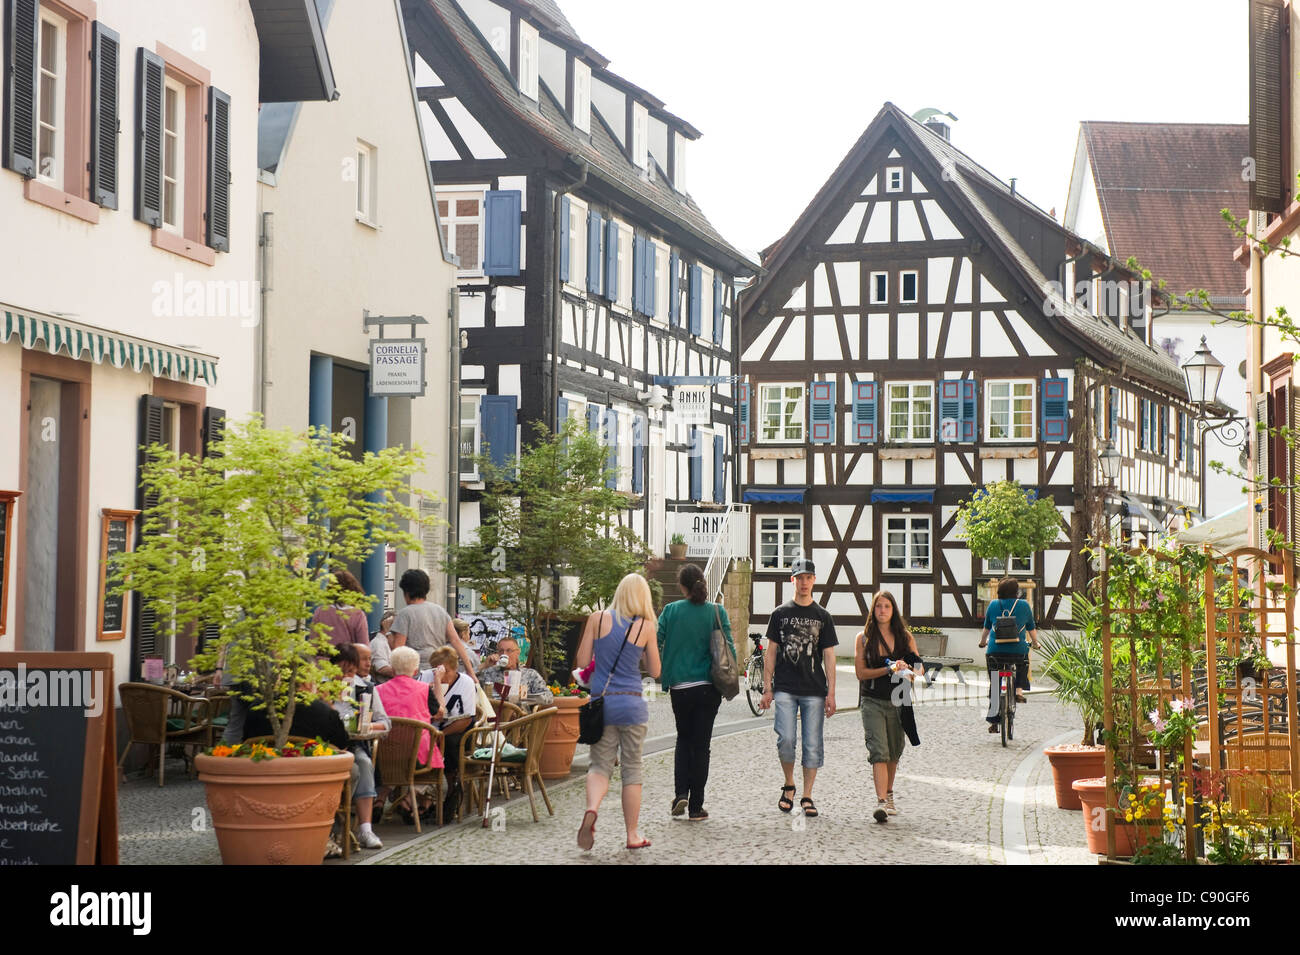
point(643, 844)
point(587, 833)
point(786, 803)
point(809, 810)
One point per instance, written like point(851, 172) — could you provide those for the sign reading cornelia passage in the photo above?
point(692, 403)
point(397, 367)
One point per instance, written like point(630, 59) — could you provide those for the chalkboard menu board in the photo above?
point(58, 794)
point(8, 501)
point(115, 539)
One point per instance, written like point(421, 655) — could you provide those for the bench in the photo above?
point(935, 666)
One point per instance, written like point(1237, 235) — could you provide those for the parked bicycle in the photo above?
point(754, 687)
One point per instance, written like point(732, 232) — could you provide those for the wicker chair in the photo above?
point(397, 760)
point(532, 731)
point(160, 716)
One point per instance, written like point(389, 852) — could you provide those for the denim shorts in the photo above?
point(811, 711)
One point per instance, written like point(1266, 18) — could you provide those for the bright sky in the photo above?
point(781, 90)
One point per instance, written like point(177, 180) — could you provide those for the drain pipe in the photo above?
point(557, 298)
point(453, 436)
point(265, 241)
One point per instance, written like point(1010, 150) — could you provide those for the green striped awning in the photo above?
point(79, 341)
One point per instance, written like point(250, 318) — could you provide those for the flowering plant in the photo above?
point(257, 751)
point(571, 690)
point(1170, 729)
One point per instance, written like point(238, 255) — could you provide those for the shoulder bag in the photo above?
point(722, 668)
point(591, 717)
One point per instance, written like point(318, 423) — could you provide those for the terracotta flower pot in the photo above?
point(1075, 761)
point(273, 811)
point(1128, 836)
point(677, 551)
point(561, 738)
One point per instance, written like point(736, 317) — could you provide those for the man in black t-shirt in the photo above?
point(799, 674)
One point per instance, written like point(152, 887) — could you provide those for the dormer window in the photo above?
point(640, 136)
point(528, 40)
point(894, 179)
point(581, 95)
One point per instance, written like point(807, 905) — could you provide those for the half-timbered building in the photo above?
point(921, 331)
point(588, 276)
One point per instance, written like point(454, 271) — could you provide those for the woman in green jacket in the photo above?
point(684, 630)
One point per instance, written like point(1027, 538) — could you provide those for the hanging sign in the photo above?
point(693, 404)
point(397, 367)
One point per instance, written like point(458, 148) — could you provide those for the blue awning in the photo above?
point(923, 495)
point(774, 495)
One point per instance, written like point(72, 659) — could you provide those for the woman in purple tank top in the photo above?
point(617, 639)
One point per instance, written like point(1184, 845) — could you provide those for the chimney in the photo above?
point(940, 129)
point(1013, 187)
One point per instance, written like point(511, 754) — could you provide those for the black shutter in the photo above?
point(148, 137)
point(104, 123)
point(214, 429)
point(145, 642)
point(218, 170)
point(22, 24)
point(1270, 85)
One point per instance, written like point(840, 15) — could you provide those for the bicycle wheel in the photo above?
point(754, 685)
point(1005, 722)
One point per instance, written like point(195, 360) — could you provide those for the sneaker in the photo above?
point(369, 840)
point(699, 815)
point(889, 804)
point(679, 806)
point(882, 813)
point(1020, 697)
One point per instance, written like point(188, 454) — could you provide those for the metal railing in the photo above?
point(732, 541)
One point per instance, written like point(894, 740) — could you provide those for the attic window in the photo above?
point(879, 288)
point(581, 95)
point(908, 282)
point(894, 179)
point(528, 42)
point(640, 136)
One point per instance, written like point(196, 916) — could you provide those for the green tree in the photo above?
point(1002, 521)
point(548, 514)
point(244, 539)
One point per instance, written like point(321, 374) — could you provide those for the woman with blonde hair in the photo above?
point(617, 638)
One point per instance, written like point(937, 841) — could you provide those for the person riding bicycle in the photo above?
point(1018, 618)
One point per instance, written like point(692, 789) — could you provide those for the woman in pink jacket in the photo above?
point(407, 697)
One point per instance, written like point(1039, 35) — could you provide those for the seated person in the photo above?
point(410, 699)
point(458, 696)
point(505, 660)
point(363, 769)
point(381, 650)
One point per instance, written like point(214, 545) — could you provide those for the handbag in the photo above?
point(591, 717)
point(722, 668)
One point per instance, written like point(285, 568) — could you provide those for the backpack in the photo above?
point(1006, 628)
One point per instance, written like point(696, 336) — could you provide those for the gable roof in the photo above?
point(1160, 187)
point(967, 183)
point(545, 122)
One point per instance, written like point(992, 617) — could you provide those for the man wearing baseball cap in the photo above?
point(799, 673)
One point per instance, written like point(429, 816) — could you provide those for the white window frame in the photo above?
point(451, 221)
point(529, 43)
point(474, 421)
point(582, 95)
point(914, 394)
point(368, 184)
point(902, 287)
point(54, 173)
point(679, 162)
point(1020, 567)
point(640, 136)
point(662, 260)
point(876, 299)
point(174, 139)
point(889, 179)
point(786, 538)
point(912, 554)
point(1011, 398)
point(787, 403)
point(624, 300)
point(577, 246)
point(706, 305)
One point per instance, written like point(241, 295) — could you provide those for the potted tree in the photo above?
point(1003, 521)
point(1076, 668)
point(243, 541)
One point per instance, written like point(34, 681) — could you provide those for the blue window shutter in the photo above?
point(969, 418)
point(1056, 409)
point(950, 417)
point(717, 309)
point(499, 416)
point(1164, 429)
point(695, 292)
point(638, 273)
point(501, 218)
point(693, 465)
point(719, 469)
point(638, 453)
point(595, 227)
point(561, 414)
point(651, 276)
point(610, 438)
point(1144, 408)
point(674, 298)
point(744, 425)
point(563, 226)
point(864, 412)
point(822, 412)
point(593, 419)
point(1112, 430)
point(611, 260)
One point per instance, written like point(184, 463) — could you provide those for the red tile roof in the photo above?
point(1161, 186)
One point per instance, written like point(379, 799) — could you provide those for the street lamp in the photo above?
point(1203, 372)
point(1110, 462)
